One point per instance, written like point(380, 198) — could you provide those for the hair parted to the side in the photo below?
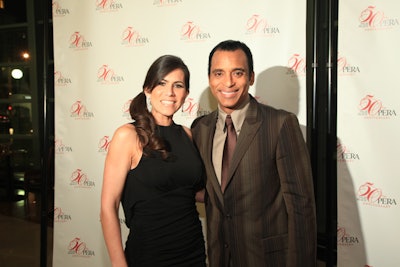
point(143, 119)
point(232, 45)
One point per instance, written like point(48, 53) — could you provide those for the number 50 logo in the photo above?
point(190, 107)
point(369, 192)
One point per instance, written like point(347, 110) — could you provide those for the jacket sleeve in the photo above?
point(295, 174)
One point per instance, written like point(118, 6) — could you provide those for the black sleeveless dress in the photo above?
point(159, 206)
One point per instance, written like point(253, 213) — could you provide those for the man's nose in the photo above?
point(229, 81)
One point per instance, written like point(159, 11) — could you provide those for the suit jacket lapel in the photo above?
point(207, 129)
point(250, 127)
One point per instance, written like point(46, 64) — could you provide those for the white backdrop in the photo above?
point(103, 49)
point(368, 133)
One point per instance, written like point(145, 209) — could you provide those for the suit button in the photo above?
point(228, 216)
point(226, 245)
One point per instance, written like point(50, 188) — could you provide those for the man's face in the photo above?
point(229, 79)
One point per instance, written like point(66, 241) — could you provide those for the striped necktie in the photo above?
point(229, 147)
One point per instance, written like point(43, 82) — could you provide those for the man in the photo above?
point(264, 214)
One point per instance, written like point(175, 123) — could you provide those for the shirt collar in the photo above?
point(238, 116)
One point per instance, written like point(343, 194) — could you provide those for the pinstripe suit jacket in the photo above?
point(266, 216)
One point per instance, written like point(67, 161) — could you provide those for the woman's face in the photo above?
point(168, 96)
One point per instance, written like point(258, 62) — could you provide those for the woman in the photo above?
point(154, 170)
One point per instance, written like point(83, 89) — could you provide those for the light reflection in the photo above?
point(25, 55)
point(17, 74)
point(20, 192)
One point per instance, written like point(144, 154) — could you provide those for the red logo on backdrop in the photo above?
point(372, 18)
point(80, 179)
point(346, 69)
point(372, 107)
point(132, 37)
point(77, 41)
point(166, 2)
point(192, 32)
point(79, 111)
point(371, 195)
point(60, 148)
point(296, 65)
point(60, 80)
point(108, 5)
point(346, 239)
point(257, 25)
point(78, 248)
point(190, 107)
point(106, 75)
point(104, 143)
point(125, 109)
point(345, 155)
point(59, 11)
point(60, 216)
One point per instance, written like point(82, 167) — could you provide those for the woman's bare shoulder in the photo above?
point(188, 131)
point(125, 134)
point(124, 130)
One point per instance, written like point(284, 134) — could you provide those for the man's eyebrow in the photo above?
point(241, 69)
point(215, 70)
point(235, 69)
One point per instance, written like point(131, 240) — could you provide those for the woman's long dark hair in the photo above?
point(143, 119)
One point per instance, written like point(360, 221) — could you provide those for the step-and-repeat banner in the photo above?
point(102, 50)
point(368, 133)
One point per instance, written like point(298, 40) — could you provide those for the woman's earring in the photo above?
point(148, 103)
